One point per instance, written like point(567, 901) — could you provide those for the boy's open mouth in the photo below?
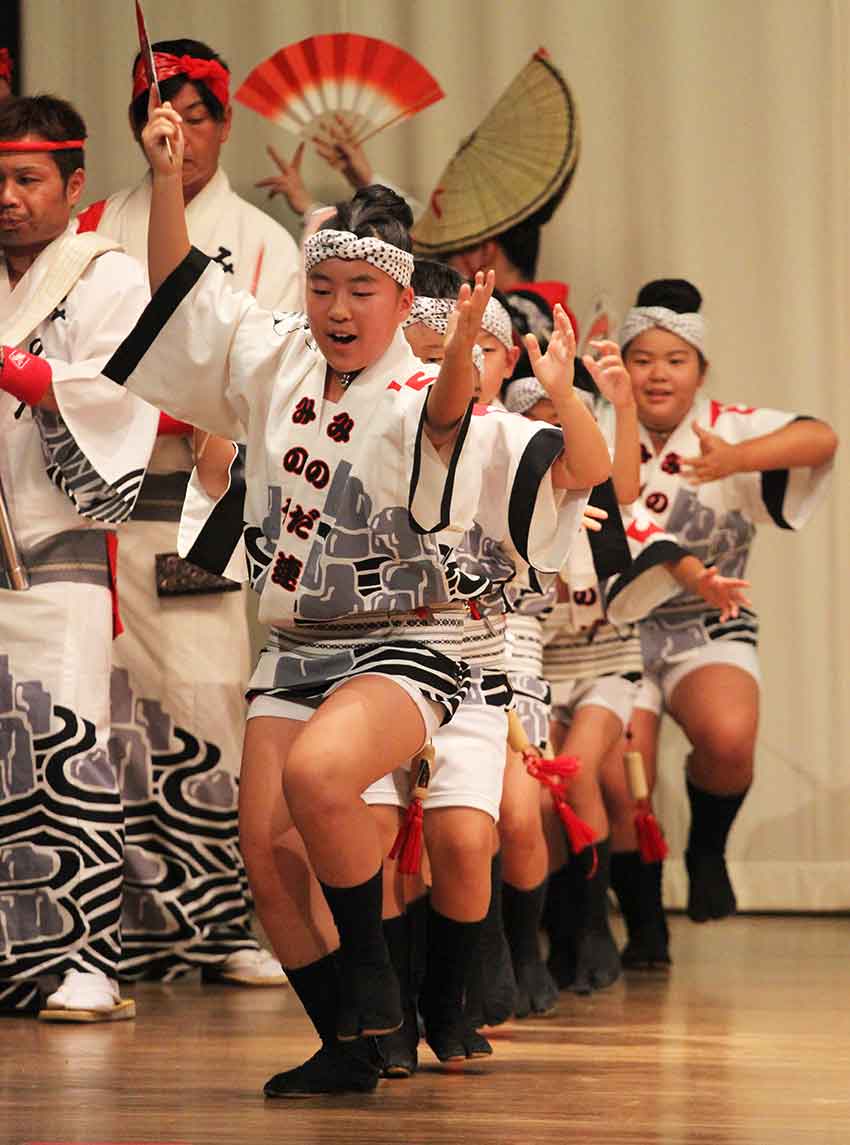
point(343, 339)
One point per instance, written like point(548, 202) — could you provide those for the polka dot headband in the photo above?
point(497, 321)
point(392, 260)
point(434, 313)
point(689, 327)
point(522, 394)
point(431, 312)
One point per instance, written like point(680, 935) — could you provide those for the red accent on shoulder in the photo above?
point(642, 534)
point(718, 408)
point(89, 219)
point(479, 410)
point(417, 381)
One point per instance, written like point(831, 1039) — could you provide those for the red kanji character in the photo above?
point(340, 427)
point(645, 455)
point(302, 522)
point(318, 473)
point(305, 412)
point(657, 502)
point(585, 596)
point(295, 459)
point(672, 463)
point(286, 572)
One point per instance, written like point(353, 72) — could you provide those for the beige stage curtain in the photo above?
point(715, 147)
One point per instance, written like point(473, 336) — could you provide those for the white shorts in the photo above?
point(265, 705)
point(469, 768)
point(657, 687)
point(615, 693)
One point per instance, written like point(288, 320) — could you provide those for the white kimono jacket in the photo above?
point(67, 478)
point(182, 665)
point(715, 522)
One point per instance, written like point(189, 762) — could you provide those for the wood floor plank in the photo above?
point(746, 1042)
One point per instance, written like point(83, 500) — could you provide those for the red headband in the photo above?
point(5, 65)
point(42, 145)
point(209, 72)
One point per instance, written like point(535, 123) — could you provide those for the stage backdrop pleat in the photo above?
point(715, 148)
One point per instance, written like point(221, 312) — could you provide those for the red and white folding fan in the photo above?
point(369, 83)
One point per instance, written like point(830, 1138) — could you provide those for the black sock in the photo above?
point(712, 817)
point(595, 889)
point(522, 911)
point(626, 885)
point(417, 919)
point(357, 914)
point(452, 946)
point(397, 937)
point(317, 987)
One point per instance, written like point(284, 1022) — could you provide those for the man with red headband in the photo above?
point(71, 465)
point(184, 660)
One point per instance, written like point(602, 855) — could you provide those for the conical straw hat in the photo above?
point(521, 157)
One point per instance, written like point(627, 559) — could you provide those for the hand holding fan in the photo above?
point(315, 86)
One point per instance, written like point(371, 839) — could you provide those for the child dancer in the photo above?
point(710, 473)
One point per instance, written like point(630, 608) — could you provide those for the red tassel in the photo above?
point(651, 842)
point(407, 847)
point(579, 833)
point(474, 610)
point(555, 774)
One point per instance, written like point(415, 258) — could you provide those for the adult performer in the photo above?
point(73, 458)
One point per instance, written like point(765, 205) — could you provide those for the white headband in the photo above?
point(431, 312)
point(522, 394)
point(497, 321)
point(392, 260)
point(690, 327)
point(434, 313)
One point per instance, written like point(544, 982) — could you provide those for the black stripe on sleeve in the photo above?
point(222, 530)
point(155, 315)
point(609, 547)
point(448, 488)
point(538, 458)
point(774, 486)
point(656, 554)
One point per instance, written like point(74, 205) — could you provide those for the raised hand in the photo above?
point(554, 369)
point(289, 182)
point(162, 137)
point(610, 375)
point(341, 151)
point(464, 324)
point(717, 458)
point(723, 592)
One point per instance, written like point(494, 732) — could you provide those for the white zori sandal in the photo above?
point(248, 968)
point(87, 998)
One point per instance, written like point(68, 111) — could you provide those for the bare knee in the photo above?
point(459, 840)
point(725, 748)
point(315, 784)
point(520, 828)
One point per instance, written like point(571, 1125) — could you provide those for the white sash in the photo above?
point(68, 257)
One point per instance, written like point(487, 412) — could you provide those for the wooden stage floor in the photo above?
point(746, 1042)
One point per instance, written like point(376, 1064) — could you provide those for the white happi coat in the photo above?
point(68, 477)
point(716, 522)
